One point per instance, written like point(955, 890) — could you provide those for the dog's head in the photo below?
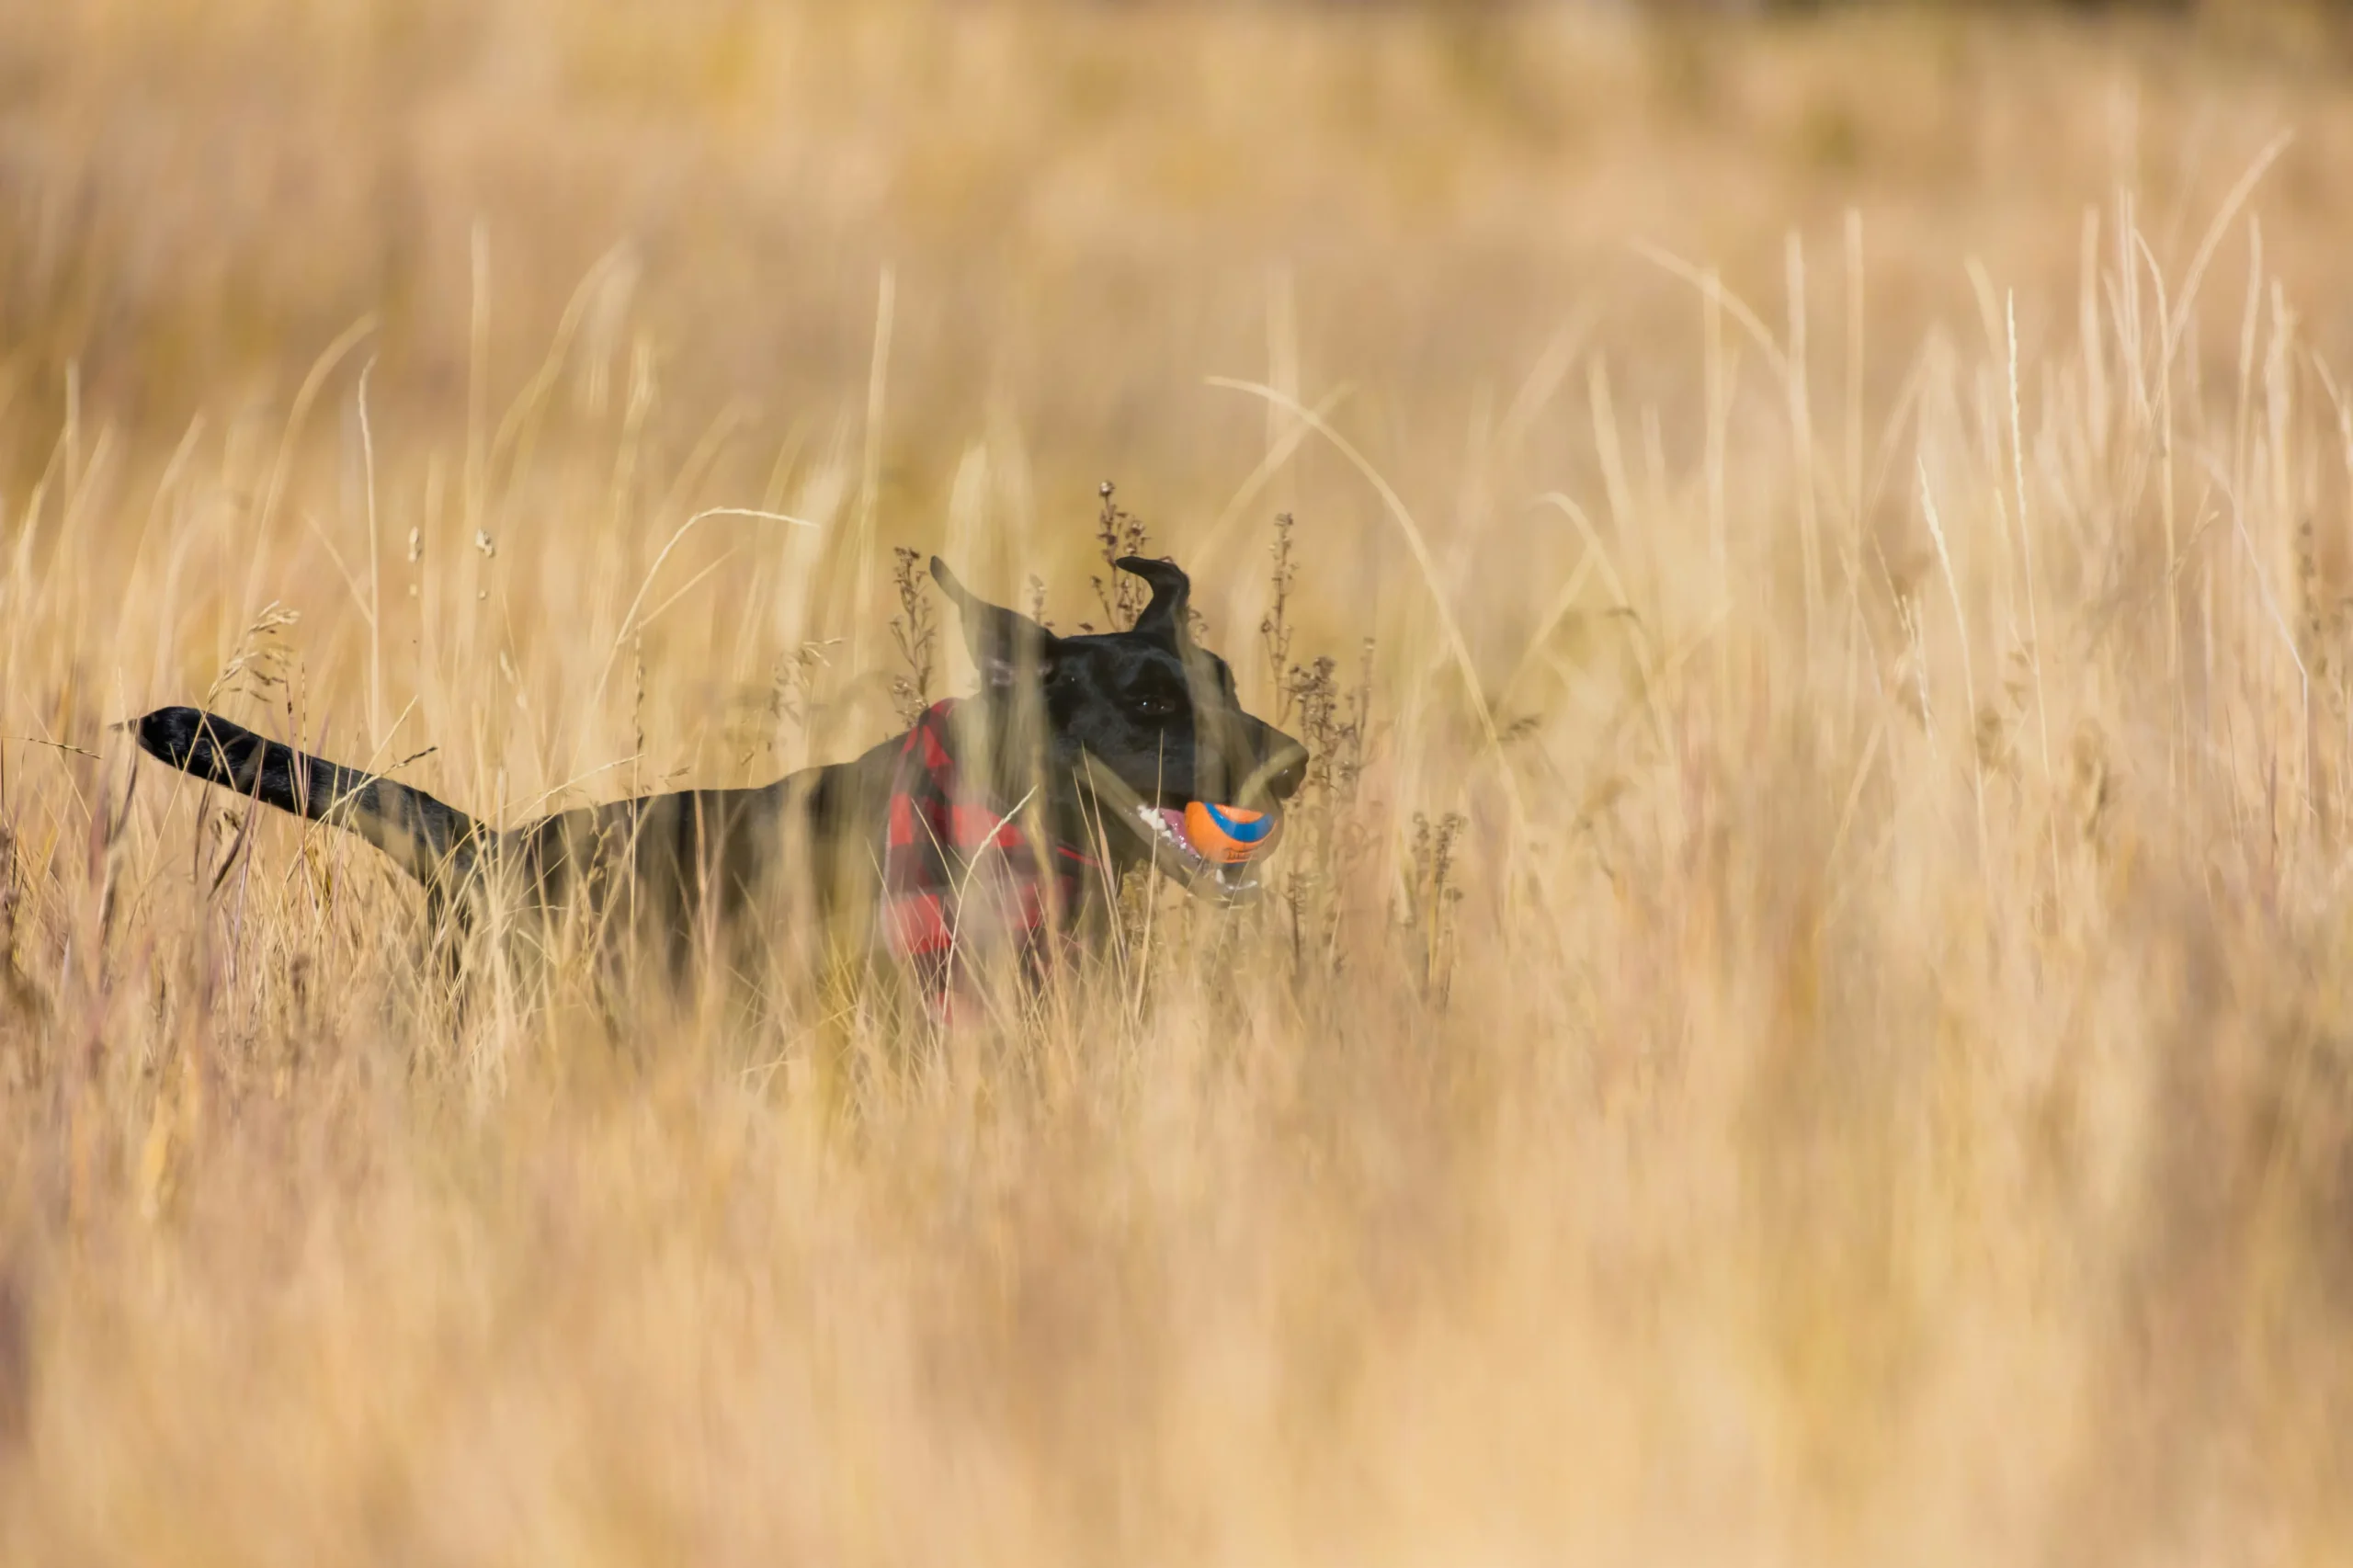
point(1135, 726)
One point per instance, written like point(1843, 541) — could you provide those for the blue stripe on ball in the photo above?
point(1241, 832)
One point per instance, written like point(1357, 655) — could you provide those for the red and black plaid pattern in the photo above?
point(958, 872)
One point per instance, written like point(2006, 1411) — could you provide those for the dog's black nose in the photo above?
point(1288, 773)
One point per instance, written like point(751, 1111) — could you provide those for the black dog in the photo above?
point(1078, 755)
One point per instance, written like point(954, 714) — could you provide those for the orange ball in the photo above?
point(1228, 835)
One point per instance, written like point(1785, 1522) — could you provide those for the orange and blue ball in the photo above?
point(1228, 835)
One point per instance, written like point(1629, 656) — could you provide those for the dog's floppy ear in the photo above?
point(1164, 616)
point(1004, 642)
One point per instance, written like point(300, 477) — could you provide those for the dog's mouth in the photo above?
point(1162, 829)
point(1232, 882)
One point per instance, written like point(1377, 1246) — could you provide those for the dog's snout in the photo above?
point(1261, 765)
point(1287, 769)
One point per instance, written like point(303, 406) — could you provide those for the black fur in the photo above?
point(1148, 707)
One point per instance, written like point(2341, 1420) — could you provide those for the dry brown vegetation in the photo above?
point(1805, 1027)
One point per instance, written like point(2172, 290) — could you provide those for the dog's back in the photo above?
point(652, 872)
point(663, 870)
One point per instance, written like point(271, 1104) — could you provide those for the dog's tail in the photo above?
point(435, 843)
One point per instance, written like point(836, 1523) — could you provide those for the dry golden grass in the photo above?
point(1851, 521)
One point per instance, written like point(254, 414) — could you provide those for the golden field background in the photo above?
point(1851, 520)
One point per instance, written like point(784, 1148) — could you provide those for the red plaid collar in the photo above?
point(958, 871)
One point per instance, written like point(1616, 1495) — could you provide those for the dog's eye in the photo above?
point(1152, 705)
